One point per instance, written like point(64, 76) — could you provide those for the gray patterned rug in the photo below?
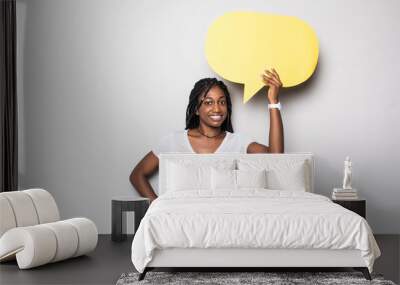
point(270, 278)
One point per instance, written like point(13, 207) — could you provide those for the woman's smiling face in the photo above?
point(213, 108)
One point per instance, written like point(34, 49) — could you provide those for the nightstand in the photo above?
point(357, 206)
point(119, 206)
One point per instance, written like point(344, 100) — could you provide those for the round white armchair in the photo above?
point(32, 233)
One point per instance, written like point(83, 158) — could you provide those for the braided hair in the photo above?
point(201, 88)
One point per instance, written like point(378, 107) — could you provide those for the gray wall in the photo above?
point(101, 81)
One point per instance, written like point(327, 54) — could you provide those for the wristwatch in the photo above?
point(275, 106)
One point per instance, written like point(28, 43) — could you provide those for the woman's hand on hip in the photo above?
point(272, 80)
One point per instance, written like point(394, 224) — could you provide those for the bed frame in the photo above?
point(242, 259)
point(246, 258)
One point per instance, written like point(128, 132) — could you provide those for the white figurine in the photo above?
point(347, 173)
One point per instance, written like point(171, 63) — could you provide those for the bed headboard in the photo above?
point(210, 158)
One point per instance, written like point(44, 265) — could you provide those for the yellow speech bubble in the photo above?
point(241, 45)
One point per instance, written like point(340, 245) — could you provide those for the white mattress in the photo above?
point(252, 218)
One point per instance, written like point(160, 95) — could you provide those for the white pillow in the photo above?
point(228, 179)
point(193, 173)
point(282, 174)
point(288, 178)
point(251, 178)
point(223, 179)
point(181, 178)
point(200, 161)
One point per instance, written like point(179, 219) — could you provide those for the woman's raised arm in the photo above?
point(276, 141)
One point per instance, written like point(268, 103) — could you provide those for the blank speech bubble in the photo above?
point(241, 45)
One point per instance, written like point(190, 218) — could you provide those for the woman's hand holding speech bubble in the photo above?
point(272, 80)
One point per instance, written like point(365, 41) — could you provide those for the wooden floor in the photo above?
point(111, 259)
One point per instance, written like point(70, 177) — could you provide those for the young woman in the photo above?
point(209, 129)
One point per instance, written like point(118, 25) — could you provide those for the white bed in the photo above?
point(248, 227)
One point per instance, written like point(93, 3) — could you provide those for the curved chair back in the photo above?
point(26, 208)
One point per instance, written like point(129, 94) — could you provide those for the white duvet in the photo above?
point(252, 218)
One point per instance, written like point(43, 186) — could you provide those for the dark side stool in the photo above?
point(119, 206)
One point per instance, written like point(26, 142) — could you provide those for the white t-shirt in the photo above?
point(178, 141)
